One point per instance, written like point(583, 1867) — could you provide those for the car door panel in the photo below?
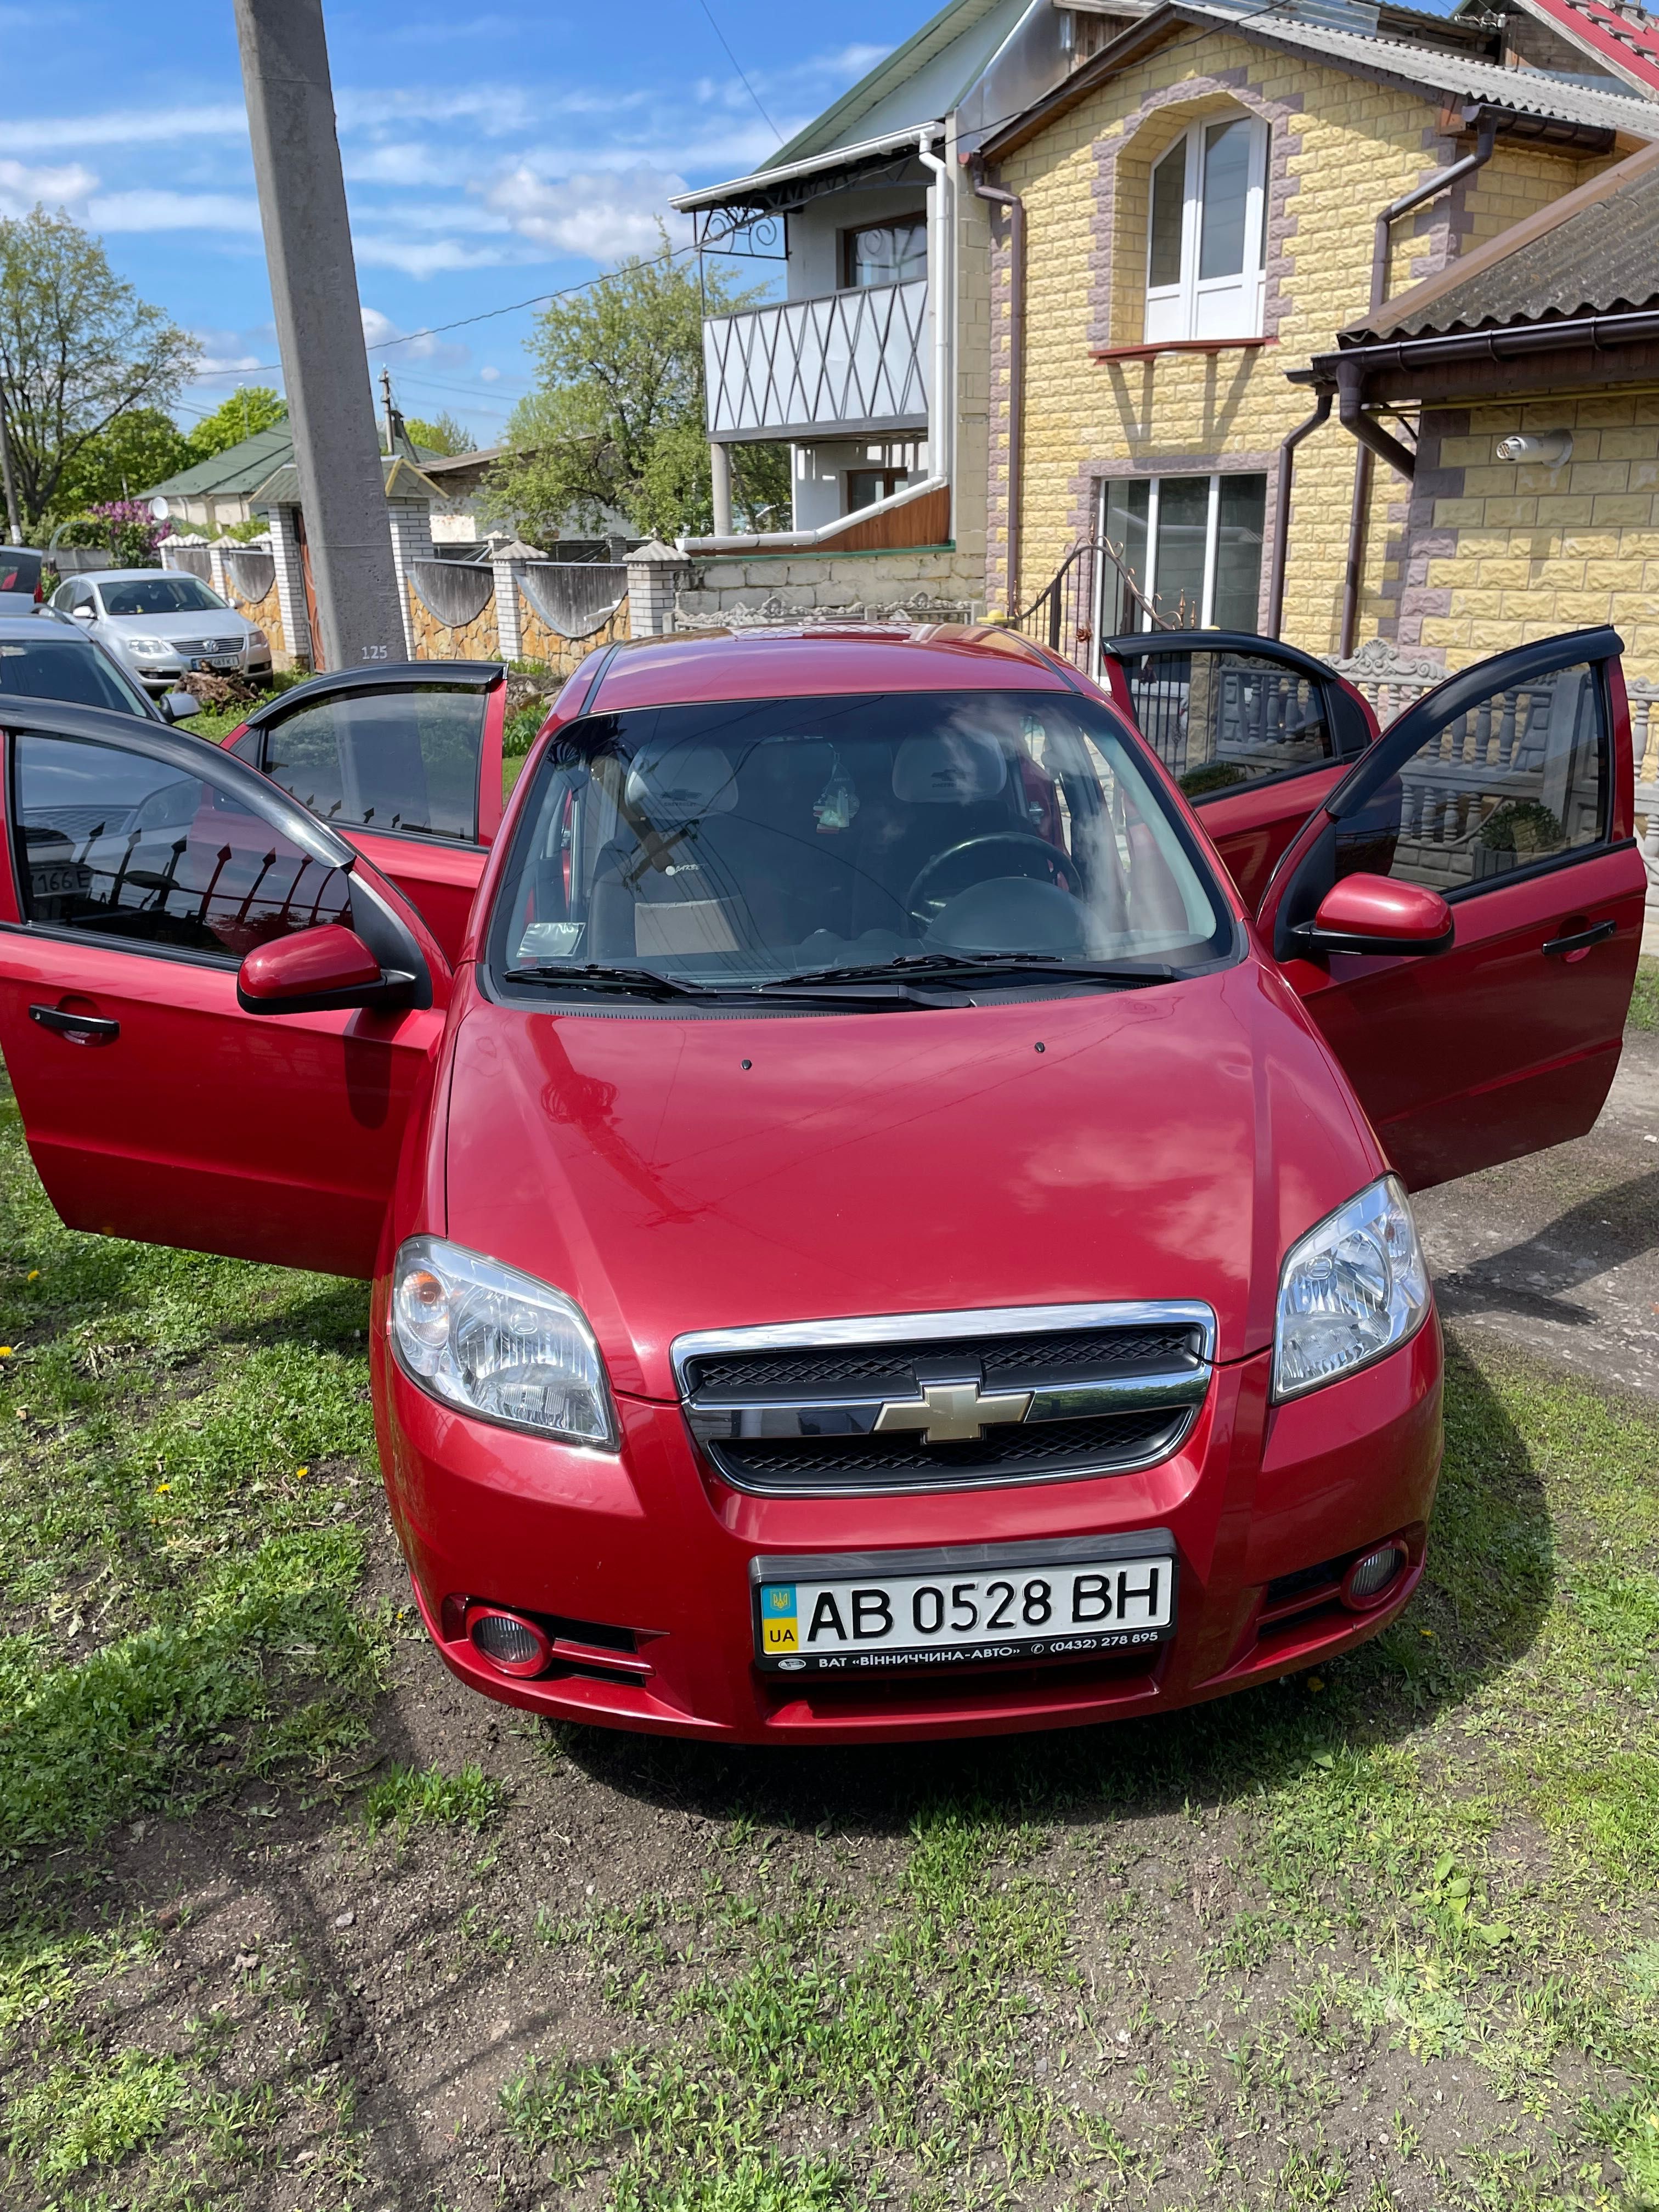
point(155, 1108)
point(404, 761)
point(1508, 1042)
point(1255, 732)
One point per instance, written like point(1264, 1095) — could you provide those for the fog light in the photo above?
point(512, 1645)
point(1373, 1575)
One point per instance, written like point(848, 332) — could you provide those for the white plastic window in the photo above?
point(1206, 246)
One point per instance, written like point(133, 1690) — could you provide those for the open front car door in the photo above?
point(1462, 916)
point(1256, 734)
point(216, 1014)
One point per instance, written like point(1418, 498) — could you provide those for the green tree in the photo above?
point(138, 451)
point(250, 408)
point(440, 434)
point(78, 348)
point(615, 425)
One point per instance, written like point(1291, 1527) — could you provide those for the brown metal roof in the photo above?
point(1594, 250)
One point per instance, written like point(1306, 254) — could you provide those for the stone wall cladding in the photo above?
point(266, 612)
point(1494, 553)
point(562, 656)
point(1342, 147)
point(478, 640)
point(809, 582)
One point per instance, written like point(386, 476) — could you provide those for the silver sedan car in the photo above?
point(162, 622)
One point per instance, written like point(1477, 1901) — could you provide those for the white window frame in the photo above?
point(1212, 539)
point(1219, 307)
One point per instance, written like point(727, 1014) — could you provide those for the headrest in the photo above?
point(953, 768)
point(680, 783)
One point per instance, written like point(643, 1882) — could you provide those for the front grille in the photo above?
point(1030, 1395)
point(854, 1465)
point(1005, 1359)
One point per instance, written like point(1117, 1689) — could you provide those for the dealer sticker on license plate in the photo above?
point(972, 1605)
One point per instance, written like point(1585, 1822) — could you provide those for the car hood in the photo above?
point(675, 1173)
point(213, 622)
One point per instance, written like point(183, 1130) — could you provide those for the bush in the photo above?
point(125, 528)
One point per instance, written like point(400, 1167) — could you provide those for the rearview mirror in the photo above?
point(1373, 914)
point(316, 971)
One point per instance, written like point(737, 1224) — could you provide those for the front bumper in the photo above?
point(157, 673)
point(643, 1559)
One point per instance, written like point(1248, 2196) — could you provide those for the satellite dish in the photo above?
point(159, 508)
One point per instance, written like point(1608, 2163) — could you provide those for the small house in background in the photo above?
point(214, 494)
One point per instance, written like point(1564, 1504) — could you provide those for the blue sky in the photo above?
point(490, 154)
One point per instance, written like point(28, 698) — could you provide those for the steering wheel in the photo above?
point(1056, 868)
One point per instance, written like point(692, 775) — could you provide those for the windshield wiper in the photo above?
point(953, 967)
point(595, 976)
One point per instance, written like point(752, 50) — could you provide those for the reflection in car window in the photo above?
point(1517, 778)
point(160, 594)
point(748, 840)
point(405, 760)
point(130, 848)
point(59, 667)
point(1219, 718)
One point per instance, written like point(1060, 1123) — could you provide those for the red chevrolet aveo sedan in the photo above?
point(873, 1235)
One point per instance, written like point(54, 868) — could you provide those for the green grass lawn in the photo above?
point(1385, 1937)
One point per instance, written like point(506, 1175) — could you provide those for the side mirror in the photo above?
point(178, 706)
point(1373, 914)
point(316, 971)
point(83, 613)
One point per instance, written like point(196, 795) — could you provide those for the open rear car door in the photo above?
point(1256, 734)
point(1463, 915)
point(405, 760)
point(150, 884)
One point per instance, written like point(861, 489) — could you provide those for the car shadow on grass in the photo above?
point(1483, 1596)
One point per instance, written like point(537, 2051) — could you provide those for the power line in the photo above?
point(738, 65)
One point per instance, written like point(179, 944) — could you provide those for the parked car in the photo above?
point(874, 1237)
point(44, 658)
point(164, 624)
point(20, 568)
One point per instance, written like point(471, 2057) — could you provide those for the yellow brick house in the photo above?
point(1189, 220)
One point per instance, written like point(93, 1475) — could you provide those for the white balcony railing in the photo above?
point(849, 362)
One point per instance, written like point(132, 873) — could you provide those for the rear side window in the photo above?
point(1218, 720)
point(19, 571)
point(124, 848)
point(1518, 778)
point(57, 667)
point(404, 761)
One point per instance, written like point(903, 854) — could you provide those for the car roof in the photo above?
point(34, 626)
point(809, 661)
point(127, 575)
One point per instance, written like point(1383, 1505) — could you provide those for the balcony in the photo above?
point(850, 363)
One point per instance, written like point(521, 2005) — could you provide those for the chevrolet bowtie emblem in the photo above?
point(952, 1412)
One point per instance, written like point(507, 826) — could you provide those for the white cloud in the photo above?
point(431, 258)
point(399, 162)
point(602, 216)
point(22, 188)
point(490, 373)
point(163, 211)
point(134, 126)
point(216, 364)
point(380, 330)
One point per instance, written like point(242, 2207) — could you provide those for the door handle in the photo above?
point(1582, 939)
point(79, 1028)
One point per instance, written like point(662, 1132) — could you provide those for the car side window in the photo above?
point(1220, 719)
point(128, 849)
point(1520, 777)
point(401, 760)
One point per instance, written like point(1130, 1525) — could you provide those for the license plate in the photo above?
point(849, 1612)
point(221, 660)
point(59, 879)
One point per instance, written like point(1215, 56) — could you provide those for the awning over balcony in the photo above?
point(850, 364)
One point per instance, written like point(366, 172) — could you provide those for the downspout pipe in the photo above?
point(1321, 414)
point(942, 413)
point(998, 197)
point(1389, 449)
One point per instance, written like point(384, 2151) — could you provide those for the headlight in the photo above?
point(498, 1344)
point(258, 637)
point(149, 646)
point(1353, 1289)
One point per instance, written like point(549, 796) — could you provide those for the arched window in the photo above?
point(1205, 247)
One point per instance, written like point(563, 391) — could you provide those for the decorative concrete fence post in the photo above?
point(655, 574)
point(290, 583)
point(217, 575)
point(509, 613)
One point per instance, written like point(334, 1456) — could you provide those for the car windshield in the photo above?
point(59, 665)
point(161, 595)
point(742, 844)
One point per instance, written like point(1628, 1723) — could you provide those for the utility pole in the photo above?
point(319, 332)
point(14, 523)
